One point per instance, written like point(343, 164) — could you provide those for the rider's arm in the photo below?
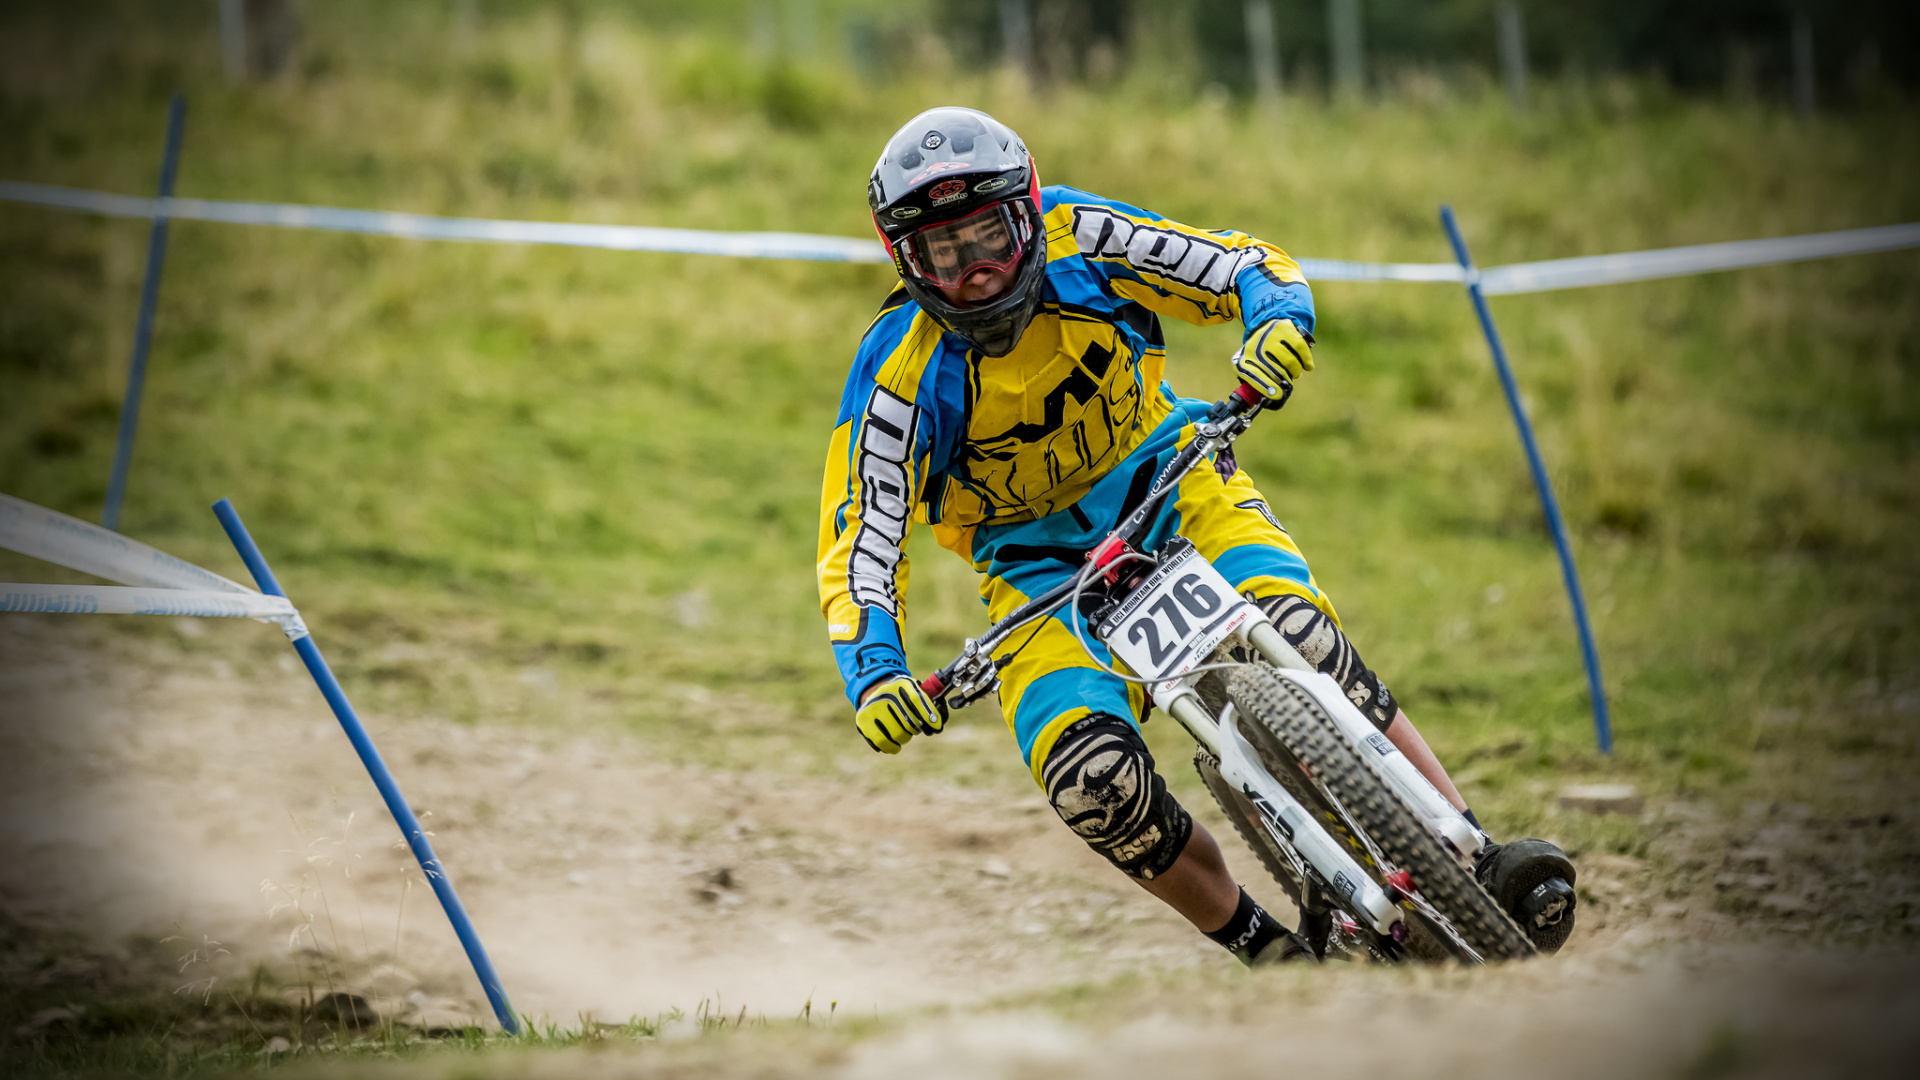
point(1195, 275)
point(888, 433)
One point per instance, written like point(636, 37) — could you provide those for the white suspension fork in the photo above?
point(1239, 768)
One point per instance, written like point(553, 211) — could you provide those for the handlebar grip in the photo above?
point(934, 685)
point(1248, 396)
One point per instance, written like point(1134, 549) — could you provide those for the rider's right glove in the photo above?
point(896, 710)
point(1273, 357)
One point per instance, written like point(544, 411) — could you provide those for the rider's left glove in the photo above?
point(896, 710)
point(1273, 357)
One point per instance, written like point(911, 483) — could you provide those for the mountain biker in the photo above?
point(1009, 393)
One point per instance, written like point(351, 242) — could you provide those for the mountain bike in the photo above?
point(1342, 820)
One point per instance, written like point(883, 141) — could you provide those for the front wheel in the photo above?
point(1246, 822)
point(1286, 725)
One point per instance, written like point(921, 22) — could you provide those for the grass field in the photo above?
point(476, 468)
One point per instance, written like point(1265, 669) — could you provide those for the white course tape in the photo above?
point(120, 600)
point(159, 583)
point(1698, 259)
point(1494, 281)
point(744, 245)
point(1342, 270)
point(77, 545)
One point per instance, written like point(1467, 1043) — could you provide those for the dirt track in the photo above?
point(141, 800)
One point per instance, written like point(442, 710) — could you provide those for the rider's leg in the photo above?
point(1402, 734)
point(1100, 778)
point(1197, 885)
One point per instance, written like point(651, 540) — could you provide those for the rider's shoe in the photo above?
point(1316, 920)
point(1532, 880)
point(1284, 949)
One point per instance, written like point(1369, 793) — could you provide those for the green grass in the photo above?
point(469, 461)
point(528, 455)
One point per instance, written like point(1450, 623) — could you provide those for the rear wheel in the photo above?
point(1288, 728)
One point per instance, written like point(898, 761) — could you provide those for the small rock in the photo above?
point(996, 868)
point(848, 933)
point(721, 878)
point(341, 1007)
point(1601, 799)
point(277, 1045)
point(1671, 911)
point(1755, 860)
point(578, 877)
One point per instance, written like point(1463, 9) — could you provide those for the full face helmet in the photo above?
point(955, 192)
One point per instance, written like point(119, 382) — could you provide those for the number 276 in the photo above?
point(1191, 593)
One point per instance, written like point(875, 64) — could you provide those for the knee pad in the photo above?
point(1320, 643)
point(1101, 781)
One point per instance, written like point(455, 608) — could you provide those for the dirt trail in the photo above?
point(142, 799)
point(166, 802)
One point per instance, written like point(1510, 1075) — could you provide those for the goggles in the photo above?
point(993, 238)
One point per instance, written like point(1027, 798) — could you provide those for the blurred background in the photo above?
point(545, 493)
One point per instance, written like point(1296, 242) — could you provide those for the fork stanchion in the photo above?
point(1602, 725)
point(143, 324)
point(403, 815)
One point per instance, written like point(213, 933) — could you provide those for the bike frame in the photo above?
point(1314, 853)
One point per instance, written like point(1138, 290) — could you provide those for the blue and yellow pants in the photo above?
point(1051, 683)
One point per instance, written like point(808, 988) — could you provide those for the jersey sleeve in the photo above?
point(1195, 275)
point(882, 451)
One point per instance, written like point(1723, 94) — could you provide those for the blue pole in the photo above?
point(1602, 726)
point(143, 327)
point(382, 779)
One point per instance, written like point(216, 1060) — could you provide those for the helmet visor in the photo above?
point(990, 239)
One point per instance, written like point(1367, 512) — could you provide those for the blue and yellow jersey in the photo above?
point(930, 430)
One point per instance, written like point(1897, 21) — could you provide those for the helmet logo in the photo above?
point(947, 191)
point(994, 184)
point(932, 141)
point(905, 212)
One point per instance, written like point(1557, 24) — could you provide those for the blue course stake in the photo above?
point(1602, 727)
point(143, 326)
point(382, 779)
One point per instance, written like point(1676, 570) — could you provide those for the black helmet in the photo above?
point(956, 191)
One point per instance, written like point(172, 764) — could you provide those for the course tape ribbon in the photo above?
point(1494, 281)
point(121, 600)
point(743, 245)
point(78, 545)
point(159, 583)
point(1697, 259)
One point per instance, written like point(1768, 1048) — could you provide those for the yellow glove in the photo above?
point(1273, 356)
point(896, 710)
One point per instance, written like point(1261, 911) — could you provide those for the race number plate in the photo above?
point(1174, 620)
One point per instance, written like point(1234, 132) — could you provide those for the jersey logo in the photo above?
point(1259, 506)
point(886, 445)
point(1189, 260)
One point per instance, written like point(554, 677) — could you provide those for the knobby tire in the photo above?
point(1285, 724)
